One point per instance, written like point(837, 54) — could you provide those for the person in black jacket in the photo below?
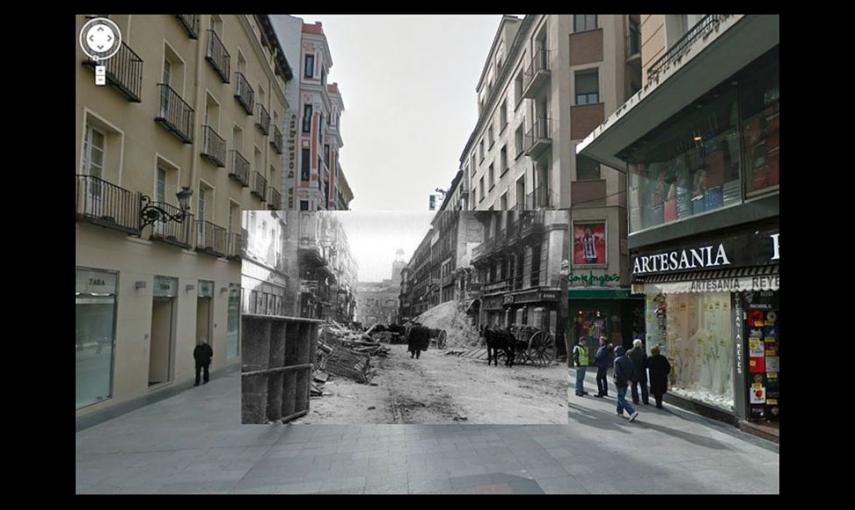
point(418, 340)
point(202, 354)
point(601, 360)
point(624, 373)
point(639, 361)
point(659, 369)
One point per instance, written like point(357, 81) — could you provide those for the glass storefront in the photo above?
point(695, 332)
point(95, 324)
point(718, 151)
point(233, 326)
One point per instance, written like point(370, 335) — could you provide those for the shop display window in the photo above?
point(591, 324)
point(695, 333)
point(689, 166)
point(95, 321)
point(759, 100)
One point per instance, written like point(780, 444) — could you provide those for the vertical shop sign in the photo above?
point(739, 389)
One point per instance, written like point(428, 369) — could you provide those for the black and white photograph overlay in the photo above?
point(406, 317)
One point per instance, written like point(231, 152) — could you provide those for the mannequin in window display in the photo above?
point(670, 207)
point(700, 185)
point(684, 188)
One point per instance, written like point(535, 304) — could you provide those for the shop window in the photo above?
point(759, 109)
point(689, 166)
point(95, 313)
point(695, 333)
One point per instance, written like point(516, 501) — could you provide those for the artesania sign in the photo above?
point(754, 248)
point(693, 258)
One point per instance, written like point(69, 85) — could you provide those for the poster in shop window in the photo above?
point(589, 243)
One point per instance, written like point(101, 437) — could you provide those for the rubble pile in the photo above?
point(451, 317)
point(346, 353)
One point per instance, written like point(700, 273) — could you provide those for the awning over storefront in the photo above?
point(747, 279)
point(588, 293)
point(705, 63)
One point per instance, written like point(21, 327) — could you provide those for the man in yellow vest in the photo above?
point(581, 360)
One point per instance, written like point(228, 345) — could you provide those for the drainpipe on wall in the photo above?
point(197, 106)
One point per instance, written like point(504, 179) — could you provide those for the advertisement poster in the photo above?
point(589, 243)
point(755, 347)
point(772, 363)
point(756, 365)
point(758, 394)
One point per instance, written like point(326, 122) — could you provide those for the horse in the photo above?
point(499, 340)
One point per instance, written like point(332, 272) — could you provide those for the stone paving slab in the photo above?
point(194, 443)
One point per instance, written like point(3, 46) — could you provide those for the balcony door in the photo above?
point(160, 196)
point(93, 166)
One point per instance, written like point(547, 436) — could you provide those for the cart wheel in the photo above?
point(542, 348)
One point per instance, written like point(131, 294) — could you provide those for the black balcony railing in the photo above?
point(276, 140)
point(175, 114)
point(218, 56)
point(244, 93)
point(108, 205)
point(259, 187)
point(706, 25)
point(531, 222)
point(234, 246)
point(275, 201)
point(537, 73)
point(240, 169)
point(210, 238)
point(538, 136)
point(262, 119)
point(213, 147)
point(173, 232)
point(124, 71)
point(190, 22)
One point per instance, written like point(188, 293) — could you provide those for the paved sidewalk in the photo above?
point(194, 443)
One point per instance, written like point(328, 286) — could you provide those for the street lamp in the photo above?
point(151, 213)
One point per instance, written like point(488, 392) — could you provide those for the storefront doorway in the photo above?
point(204, 312)
point(95, 314)
point(233, 327)
point(161, 344)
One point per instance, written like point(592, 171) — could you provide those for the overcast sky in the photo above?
point(375, 236)
point(408, 86)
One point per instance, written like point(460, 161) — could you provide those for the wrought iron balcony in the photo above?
point(124, 71)
point(538, 199)
point(537, 74)
point(190, 22)
point(706, 25)
point(107, 205)
point(175, 114)
point(244, 93)
point(262, 119)
point(173, 232)
point(213, 147)
point(259, 187)
point(531, 223)
point(538, 138)
point(500, 286)
point(276, 140)
point(275, 201)
point(240, 169)
point(447, 280)
point(218, 56)
point(210, 238)
point(234, 246)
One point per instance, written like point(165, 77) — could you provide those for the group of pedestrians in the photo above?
point(631, 369)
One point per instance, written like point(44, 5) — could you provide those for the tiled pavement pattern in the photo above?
point(194, 443)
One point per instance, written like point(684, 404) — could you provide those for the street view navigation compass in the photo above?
point(100, 39)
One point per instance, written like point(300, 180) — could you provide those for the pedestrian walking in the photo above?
point(417, 340)
point(601, 361)
point(639, 363)
point(202, 354)
point(580, 359)
point(624, 373)
point(659, 369)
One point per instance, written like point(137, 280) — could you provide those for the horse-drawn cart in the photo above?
point(533, 345)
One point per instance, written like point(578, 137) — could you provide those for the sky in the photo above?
point(375, 236)
point(408, 86)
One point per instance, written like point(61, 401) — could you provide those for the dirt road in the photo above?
point(445, 389)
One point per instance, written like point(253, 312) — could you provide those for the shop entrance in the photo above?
point(161, 343)
point(204, 308)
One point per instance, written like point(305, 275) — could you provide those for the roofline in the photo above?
point(270, 33)
point(505, 19)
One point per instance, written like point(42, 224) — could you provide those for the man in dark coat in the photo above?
point(418, 340)
point(659, 370)
point(639, 361)
point(601, 361)
point(202, 354)
point(624, 372)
